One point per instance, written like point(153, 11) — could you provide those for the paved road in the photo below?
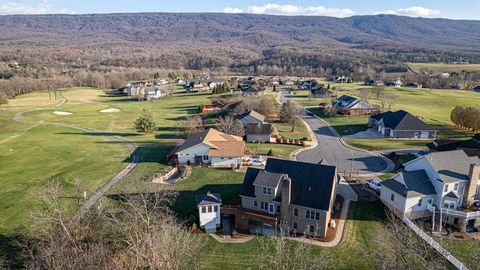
point(135, 157)
point(331, 149)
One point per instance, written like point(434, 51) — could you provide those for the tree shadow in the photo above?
point(111, 134)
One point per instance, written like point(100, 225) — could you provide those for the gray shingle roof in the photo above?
point(267, 179)
point(452, 166)
point(411, 184)
point(253, 114)
point(209, 198)
point(312, 184)
point(402, 120)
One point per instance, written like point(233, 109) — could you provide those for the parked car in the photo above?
point(375, 185)
point(256, 160)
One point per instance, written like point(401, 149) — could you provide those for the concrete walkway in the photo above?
point(134, 154)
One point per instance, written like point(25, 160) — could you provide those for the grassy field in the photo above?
point(441, 67)
point(31, 153)
point(363, 221)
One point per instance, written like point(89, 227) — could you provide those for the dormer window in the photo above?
point(455, 187)
point(445, 188)
point(267, 191)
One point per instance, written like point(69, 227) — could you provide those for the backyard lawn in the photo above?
point(364, 220)
point(465, 250)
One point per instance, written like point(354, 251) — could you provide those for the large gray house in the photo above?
point(401, 124)
point(297, 195)
point(446, 182)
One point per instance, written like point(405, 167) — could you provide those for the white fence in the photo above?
point(445, 253)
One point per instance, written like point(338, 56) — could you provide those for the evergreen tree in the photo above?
point(145, 123)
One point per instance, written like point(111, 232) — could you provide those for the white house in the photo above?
point(209, 211)
point(443, 181)
point(212, 147)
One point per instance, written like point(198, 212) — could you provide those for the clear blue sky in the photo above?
point(455, 9)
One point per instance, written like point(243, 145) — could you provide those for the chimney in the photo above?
point(286, 185)
point(471, 188)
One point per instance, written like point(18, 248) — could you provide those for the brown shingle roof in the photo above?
point(221, 144)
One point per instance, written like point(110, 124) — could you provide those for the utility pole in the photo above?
point(351, 164)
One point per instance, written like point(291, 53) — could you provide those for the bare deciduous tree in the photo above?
point(151, 235)
point(230, 125)
point(401, 248)
point(192, 125)
point(281, 253)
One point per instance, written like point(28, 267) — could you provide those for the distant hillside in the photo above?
point(235, 41)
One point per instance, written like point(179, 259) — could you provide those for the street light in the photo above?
point(351, 164)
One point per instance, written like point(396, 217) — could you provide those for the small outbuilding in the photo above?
point(209, 211)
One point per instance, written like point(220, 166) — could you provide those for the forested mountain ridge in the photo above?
point(114, 48)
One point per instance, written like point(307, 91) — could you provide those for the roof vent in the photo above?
point(309, 188)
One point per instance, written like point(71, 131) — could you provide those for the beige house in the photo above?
point(212, 147)
point(297, 196)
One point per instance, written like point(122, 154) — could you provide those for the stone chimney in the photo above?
point(286, 185)
point(471, 187)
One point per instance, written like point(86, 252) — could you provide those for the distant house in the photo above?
point(471, 146)
point(260, 132)
point(401, 124)
point(211, 147)
point(152, 93)
point(296, 195)
point(216, 106)
point(476, 88)
point(442, 184)
point(374, 83)
point(413, 85)
point(320, 92)
point(349, 105)
point(209, 211)
point(180, 81)
point(251, 117)
point(394, 83)
point(308, 84)
point(253, 90)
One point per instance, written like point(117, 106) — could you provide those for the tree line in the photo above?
point(466, 117)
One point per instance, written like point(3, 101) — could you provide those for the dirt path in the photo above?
point(134, 154)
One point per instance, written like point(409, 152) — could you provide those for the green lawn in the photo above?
point(279, 150)
point(465, 250)
point(363, 221)
point(386, 144)
point(441, 67)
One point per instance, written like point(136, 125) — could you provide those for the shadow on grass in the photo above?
point(350, 129)
point(11, 251)
point(185, 206)
point(119, 134)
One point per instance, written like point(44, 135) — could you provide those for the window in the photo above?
point(267, 191)
point(262, 205)
point(295, 212)
point(445, 188)
point(311, 229)
point(307, 214)
point(317, 216)
point(392, 197)
point(430, 201)
point(445, 205)
point(255, 204)
point(215, 208)
point(295, 225)
point(420, 202)
point(271, 208)
point(205, 158)
point(209, 209)
point(278, 208)
point(204, 209)
point(455, 187)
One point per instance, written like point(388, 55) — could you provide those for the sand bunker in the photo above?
point(110, 110)
point(62, 113)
